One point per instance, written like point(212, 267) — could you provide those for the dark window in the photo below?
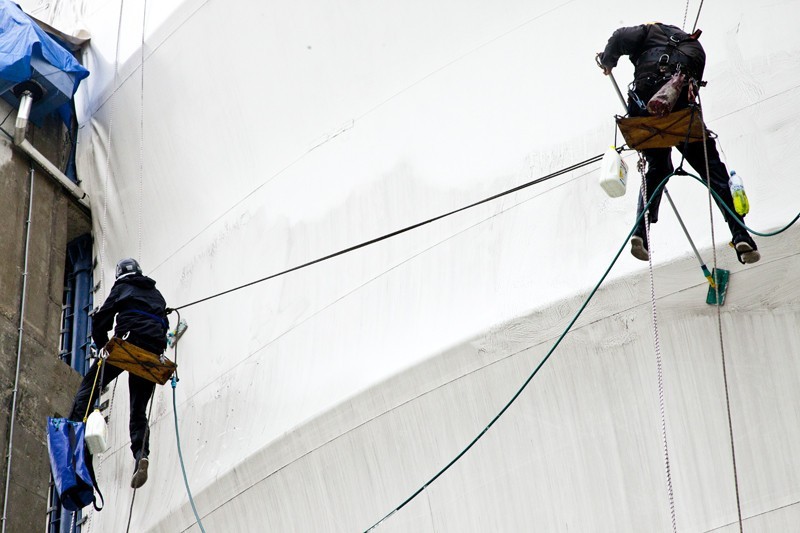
point(75, 340)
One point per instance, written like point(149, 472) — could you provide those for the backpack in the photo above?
point(73, 477)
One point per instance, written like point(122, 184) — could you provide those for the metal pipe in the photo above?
point(54, 172)
point(19, 350)
point(21, 125)
point(619, 93)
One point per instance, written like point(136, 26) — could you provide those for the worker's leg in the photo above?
point(659, 166)
point(140, 392)
point(696, 156)
point(85, 397)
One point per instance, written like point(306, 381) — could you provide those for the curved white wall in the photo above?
point(278, 133)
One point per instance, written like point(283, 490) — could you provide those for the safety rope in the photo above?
point(685, 14)
point(141, 134)
point(719, 319)
point(403, 230)
point(698, 16)
point(94, 385)
point(657, 348)
point(104, 219)
point(175, 380)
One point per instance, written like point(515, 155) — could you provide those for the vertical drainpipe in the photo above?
point(19, 349)
point(80, 253)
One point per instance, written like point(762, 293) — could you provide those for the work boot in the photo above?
point(639, 248)
point(746, 249)
point(140, 473)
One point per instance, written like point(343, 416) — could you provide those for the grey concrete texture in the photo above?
point(46, 385)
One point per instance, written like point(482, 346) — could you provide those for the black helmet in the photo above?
point(128, 266)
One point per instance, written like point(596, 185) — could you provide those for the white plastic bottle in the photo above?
point(96, 436)
point(740, 201)
point(613, 173)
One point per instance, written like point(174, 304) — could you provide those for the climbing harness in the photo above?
point(675, 136)
point(679, 53)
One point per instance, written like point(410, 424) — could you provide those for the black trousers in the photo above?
point(659, 166)
point(140, 392)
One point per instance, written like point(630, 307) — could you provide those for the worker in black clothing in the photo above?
point(658, 51)
point(141, 319)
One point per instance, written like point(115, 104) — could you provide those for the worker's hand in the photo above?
point(606, 70)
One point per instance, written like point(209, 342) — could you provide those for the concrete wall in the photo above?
point(46, 384)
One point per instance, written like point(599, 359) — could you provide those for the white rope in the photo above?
point(141, 133)
point(719, 318)
point(685, 14)
point(657, 346)
point(104, 223)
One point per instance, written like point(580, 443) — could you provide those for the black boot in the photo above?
point(746, 249)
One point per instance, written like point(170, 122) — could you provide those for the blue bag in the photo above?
point(73, 477)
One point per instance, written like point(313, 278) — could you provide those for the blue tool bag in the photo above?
point(72, 475)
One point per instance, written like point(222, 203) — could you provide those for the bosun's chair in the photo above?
point(683, 126)
point(641, 133)
point(122, 354)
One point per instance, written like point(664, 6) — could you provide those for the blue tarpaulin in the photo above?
point(27, 52)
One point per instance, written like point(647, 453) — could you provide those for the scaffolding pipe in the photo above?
point(19, 350)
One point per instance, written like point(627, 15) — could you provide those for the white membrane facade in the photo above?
point(221, 142)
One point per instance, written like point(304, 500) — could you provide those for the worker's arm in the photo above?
point(624, 41)
point(103, 318)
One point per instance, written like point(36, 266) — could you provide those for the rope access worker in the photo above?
point(658, 51)
point(141, 319)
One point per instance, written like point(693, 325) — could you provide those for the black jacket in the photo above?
point(140, 309)
point(647, 44)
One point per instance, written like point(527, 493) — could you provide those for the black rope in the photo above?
point(535, 370)
point(403, 230)
point(553, 348)
point(698, 16)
